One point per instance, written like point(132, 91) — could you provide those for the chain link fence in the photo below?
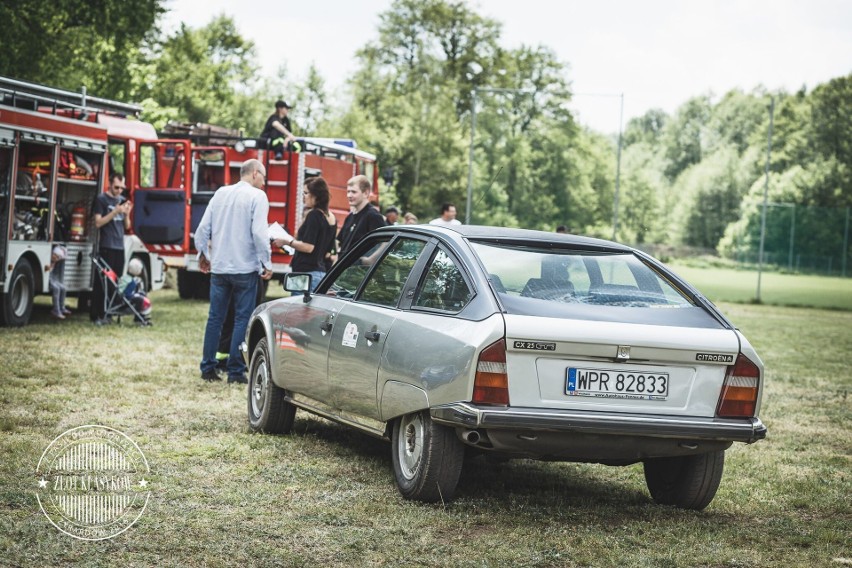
point(812, 240)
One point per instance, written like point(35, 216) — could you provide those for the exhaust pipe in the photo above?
point(471, 436)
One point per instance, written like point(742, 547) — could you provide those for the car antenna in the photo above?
point(490, 185)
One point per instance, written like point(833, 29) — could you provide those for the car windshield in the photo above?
point(578, 283)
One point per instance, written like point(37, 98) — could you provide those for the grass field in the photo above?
point(731, 285)
point(325, 495)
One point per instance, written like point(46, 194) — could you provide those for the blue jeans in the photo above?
point(316, 276)
point(243, 287)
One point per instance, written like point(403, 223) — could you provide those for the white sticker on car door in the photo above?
point(350, 335)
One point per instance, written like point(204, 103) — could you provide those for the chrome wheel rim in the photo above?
point(410, 445)
point(20, 296)
point(259, 386)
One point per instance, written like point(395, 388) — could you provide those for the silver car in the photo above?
point(514, 344)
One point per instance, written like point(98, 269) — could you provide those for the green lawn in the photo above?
point(730, 285)
point(325, 495)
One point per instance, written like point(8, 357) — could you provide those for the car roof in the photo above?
point(504, 234)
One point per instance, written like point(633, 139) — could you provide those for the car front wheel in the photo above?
point(688, 482)
point(427, 458)
point(268, 411)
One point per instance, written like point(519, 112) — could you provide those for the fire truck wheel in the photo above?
point(17, 304)
point(262, 287)
point(185, 284)
point(193, 285)
point(84, 301)
point(146, 279)
point(202, 286)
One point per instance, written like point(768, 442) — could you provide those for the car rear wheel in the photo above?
point(427, 458)
point(268, 411)
point(688, 482)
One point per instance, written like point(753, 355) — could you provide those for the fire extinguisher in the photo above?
point(78, 223)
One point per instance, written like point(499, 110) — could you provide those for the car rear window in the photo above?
point(582, 283)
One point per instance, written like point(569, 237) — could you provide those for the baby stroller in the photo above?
point(124, 296)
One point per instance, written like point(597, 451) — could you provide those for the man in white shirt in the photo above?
point(448, 216)
point(233, 240)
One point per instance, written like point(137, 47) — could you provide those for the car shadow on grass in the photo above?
point(590, 489)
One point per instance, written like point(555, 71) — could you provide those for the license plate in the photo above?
point(608, 383)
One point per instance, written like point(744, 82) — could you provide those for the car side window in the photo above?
point(443, 287)
point(385, 284)
point(347, 282)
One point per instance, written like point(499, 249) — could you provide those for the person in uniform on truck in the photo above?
point(278, 131)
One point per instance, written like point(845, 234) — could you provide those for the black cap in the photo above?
point(281, 104)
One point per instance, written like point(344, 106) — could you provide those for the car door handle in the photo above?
point(326, 326)
point(373, 335)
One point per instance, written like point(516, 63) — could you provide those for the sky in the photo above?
point(646, 53)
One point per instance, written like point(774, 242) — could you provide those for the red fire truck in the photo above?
point(166, 218)
point(56, 150)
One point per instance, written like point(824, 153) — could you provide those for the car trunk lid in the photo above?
point(616, 367)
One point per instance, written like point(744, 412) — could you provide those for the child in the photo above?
point(56, 282)
point(132, 287)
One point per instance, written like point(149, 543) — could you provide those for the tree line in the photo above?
point(694, 177)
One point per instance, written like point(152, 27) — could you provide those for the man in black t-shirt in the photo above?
point(363, 217)
point(277, 130)
point(112, 218)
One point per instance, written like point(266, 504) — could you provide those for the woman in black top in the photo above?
point(316, 233)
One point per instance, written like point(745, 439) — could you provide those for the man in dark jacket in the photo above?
point(363, 217)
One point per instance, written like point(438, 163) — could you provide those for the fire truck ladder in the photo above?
point(32, 96)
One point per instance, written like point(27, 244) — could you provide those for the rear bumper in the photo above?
point(466, 415)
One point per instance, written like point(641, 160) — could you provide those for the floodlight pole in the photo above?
point(617, 171)
point(470, 159)
point(765, 196)
point(472, 137)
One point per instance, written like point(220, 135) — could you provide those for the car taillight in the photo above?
point(739, 393)
point(491, 385)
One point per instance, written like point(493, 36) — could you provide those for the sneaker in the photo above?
point(211, 376)
point(57, 315)
point(240, 379)
point(66, 312)
point(102, 321)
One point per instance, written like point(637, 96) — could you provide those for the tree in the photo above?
point(682, 136)
point(204, 74)
point(711, 193)
point(70, 43)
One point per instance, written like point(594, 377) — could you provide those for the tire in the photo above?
point(17, 304)
point(268, 412)
point(202, 286)
point(262, 287)
point(427, 458)
point(184, 284)
point(688, 482)
point(145, 276)
point(84, 301)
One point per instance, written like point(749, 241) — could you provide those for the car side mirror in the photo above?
point(298, 283)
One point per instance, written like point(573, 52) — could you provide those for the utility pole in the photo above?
point(470, 159)
point(472, 136)
point(765, 196)
point(617, 171)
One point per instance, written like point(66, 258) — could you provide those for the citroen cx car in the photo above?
point(512, 343)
